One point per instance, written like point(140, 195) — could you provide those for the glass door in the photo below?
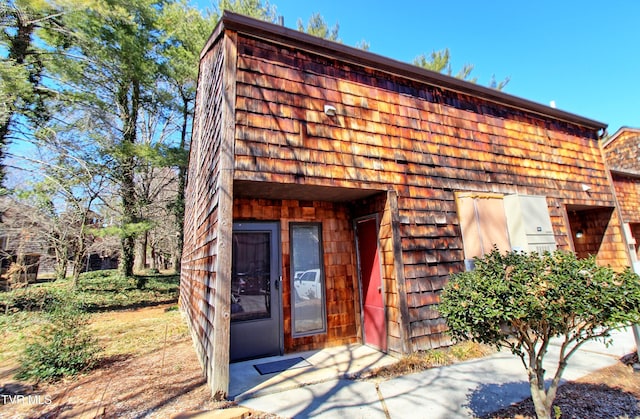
point(256, 327)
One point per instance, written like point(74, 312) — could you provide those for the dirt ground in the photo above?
point(168, 381)
point(156, 384)
point(144, 386)
point(612, 392)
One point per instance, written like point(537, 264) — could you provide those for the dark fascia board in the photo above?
point(289, 37)
point(215, 34)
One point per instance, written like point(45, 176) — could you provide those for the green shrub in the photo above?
point(34, 298)
point(103, 280)
point(93, 275)
point(63, 348)
point(521, 301)
point(141, 281)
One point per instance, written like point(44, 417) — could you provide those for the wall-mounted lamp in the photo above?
point(586, 188)
point(579, 234)
point(330, 110)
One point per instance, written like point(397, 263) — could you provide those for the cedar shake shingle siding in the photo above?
point(628, 193)
point(403, 144)
point(622, 152)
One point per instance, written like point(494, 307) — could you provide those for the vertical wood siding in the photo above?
point(199, 259)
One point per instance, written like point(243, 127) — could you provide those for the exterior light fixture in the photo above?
point(579, 234)
point(330, 110)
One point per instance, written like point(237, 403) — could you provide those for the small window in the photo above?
point(307, 279)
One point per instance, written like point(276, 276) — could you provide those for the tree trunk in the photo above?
point(19, 46)
point(141, 252)
point(127, 167)
point(126, 261)
point(77, 269)
point(127, 192)
point(61, 269)
point(543, 399)
point(539, 397)
point(61, 263)
point(182, 179)
point(4, 132)
point(153, 263)
point(128, 195)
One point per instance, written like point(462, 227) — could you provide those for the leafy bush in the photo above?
point(522, 300)
point(33, 298)
point(103, 280)
point(63, 348)
point(141, 281)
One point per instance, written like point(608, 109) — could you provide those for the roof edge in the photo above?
point(286, 36)
point(624, 172)
point(619, 133)
point(215, 34)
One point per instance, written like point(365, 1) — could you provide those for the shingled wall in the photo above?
point(628, 193)
point(408, 138)
point(622, 153)
point(420, 140)
point(205, 277)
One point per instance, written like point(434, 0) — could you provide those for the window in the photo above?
point(307, 279)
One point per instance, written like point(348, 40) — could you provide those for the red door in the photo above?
point(374, 319)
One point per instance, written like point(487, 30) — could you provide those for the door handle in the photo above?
point(380, 289)
point(276, 283)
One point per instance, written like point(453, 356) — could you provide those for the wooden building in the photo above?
point(22, 251)
point(622, 154)
point(332, 192)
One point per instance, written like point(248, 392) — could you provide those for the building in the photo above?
point(21, 249)
point(622, 153)
point(332, 192)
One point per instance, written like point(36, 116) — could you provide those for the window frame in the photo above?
point(323, 303)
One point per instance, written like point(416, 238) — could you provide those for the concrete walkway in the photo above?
point(467, 389)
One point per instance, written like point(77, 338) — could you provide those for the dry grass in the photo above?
point(14, 330)
point(424, 360)
point(138, 332)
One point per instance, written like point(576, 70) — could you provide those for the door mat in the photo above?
point(282, 365)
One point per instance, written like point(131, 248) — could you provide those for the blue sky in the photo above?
point(584, 55)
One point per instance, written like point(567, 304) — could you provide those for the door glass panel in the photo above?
point(251, 280)
point(307, 291)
